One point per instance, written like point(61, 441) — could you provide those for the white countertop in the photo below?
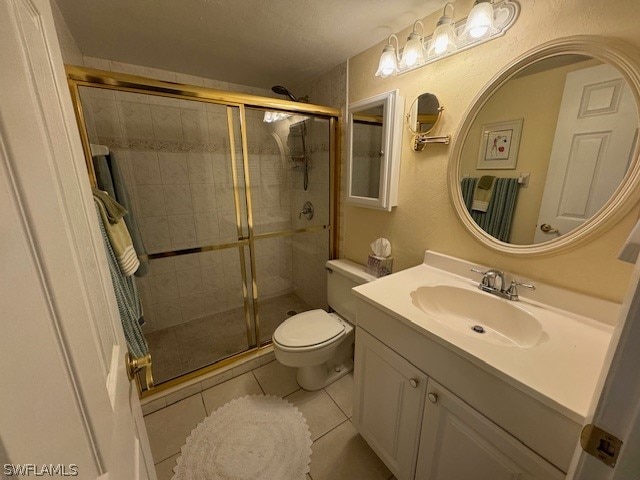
point(561, 370)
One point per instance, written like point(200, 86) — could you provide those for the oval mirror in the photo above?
point(547, 155)
point(424, 114)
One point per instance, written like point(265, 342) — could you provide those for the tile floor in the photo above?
point(186, 347)
point(339, 452)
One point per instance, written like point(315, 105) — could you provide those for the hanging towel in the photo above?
point(119, 238)
point(127, 297)
point(114, 210)
point(482, 193)
point(496, 221)
point(110, 179)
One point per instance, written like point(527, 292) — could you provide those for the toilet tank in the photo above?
point(342, 276)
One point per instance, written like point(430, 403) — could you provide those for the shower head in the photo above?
point(280, 90)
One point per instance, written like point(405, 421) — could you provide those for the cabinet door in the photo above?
point(389, 398)
point(458, 443)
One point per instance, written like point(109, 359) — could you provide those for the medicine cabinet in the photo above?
point(374, 129)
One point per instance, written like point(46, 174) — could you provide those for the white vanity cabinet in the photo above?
point(457, 442)
point(422, 431)
point(390, 396)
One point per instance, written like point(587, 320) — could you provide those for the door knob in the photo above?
point(134, 364)
point(433, 397)
point(546, 228)
point(413, 382)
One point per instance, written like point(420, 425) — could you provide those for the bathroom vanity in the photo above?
point(436, 398)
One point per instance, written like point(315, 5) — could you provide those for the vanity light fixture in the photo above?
point(444, 37)
point(388, 64)
point(413, 52)
point(488, 19)
point(480, 19)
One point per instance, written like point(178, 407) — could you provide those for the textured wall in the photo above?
point(424, 218)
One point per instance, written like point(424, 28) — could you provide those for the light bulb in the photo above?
point(413, 52)
point(480, 19)
point(388, 64)
point(444, 37)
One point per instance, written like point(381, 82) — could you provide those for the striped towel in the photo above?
point(116, 229)
point(126, 293)
point(482, 193)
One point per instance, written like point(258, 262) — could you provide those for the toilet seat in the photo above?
point(308, 331)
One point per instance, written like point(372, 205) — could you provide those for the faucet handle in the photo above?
point(513, 288)
point(515, 284)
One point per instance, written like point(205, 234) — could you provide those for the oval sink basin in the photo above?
point(479, 314)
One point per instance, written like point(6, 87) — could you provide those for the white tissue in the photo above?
point(381, 248)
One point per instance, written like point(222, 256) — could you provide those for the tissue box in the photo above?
point(379, 266)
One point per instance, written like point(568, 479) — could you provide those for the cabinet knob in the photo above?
point(413, 382)
point(433, 397)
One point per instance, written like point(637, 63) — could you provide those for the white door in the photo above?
point(66, 399)
point(616, 407)
point(459, 443)
point(389, 394)
point(591, 150)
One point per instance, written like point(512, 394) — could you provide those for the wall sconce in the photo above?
point(487, 20)
point(388, 64)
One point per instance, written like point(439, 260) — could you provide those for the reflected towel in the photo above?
point(496, 221)
point(482, 193)
point(119, 238)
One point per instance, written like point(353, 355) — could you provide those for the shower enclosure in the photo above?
point(234, 199)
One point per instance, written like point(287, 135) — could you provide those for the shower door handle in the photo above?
point(135, 364)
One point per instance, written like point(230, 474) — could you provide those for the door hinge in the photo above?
point(600, 444)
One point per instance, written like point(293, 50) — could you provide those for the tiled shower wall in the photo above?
point(309, 250)
point(178, 169)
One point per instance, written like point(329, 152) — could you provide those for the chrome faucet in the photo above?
point(493, 282)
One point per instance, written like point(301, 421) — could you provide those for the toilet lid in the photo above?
point(307, 329)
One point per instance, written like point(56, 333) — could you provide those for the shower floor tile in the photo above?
point(186, 347)
point(275, 310)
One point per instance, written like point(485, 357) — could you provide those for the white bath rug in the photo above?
point(256, 437)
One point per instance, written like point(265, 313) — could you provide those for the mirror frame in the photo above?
point(620, 55)
point(391, 142)
point(409, 115)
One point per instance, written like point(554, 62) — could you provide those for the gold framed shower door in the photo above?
point(81, 76)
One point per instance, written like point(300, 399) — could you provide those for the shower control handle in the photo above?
point(307, 211)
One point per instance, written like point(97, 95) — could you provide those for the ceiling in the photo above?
point(252, 42)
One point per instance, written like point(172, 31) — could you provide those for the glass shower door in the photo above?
point(289, 164)
point(185, 180)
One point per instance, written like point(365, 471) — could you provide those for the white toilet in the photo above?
point(320, 344)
